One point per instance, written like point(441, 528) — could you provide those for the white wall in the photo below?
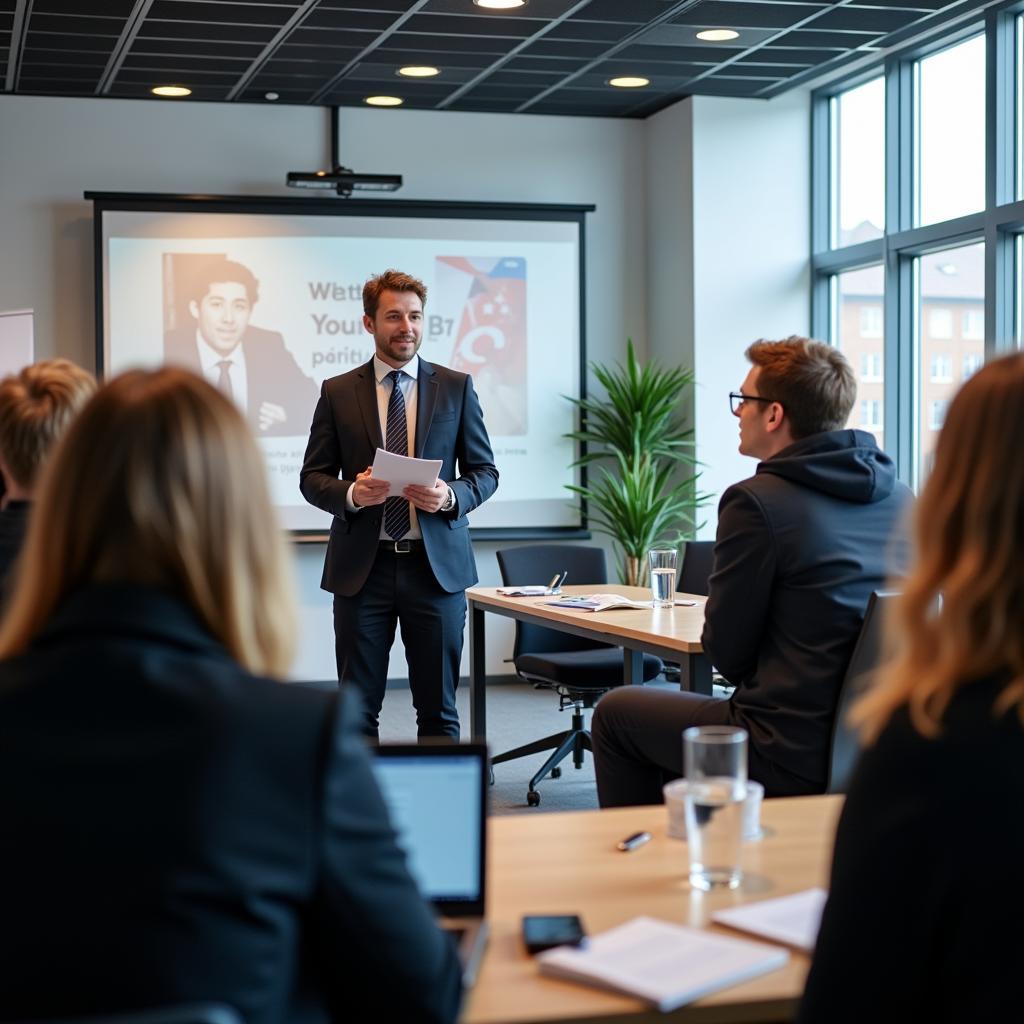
point(52, 149)
point(751, 239)
point(728, 235)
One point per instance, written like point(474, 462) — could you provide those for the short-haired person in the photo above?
point(177, 826)
point(36, 406)
point(405, 560)
point(249, 364)
point(934, 805)
point(800, 547)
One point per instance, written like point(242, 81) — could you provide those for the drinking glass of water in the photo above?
point(663, 576)
point(715, 763)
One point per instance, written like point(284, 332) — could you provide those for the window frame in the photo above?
point(998, 225)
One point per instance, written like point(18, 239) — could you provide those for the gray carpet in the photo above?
point(516, 714)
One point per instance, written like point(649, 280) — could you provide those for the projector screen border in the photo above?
point(159, 202)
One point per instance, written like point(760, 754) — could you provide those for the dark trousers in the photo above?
point(402, 590)
point(638, 745)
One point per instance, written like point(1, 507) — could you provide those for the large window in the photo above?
point(1020, 107)
point(859, 334)
point(859, 139)
point(951, 132)
point(1019, 318)
point(952, 280)
point(918, 203)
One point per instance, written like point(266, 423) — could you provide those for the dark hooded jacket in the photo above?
point(800, 547)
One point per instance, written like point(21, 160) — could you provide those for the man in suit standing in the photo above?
point(404, 560)
point(249, 364)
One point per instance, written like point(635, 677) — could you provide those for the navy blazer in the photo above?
point(173, 829)
point(343, 440)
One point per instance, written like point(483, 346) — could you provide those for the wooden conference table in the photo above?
point(670, 633)
point(568, 864)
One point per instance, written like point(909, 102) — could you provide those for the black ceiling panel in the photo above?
point(106, 8)
point(370, 21)
point(215, 13)
point(719, 14)
point(156, 29)
point(866, 19)
point(493, 61)
point(814, 38)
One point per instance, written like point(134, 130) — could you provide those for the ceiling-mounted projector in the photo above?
point(345, 181)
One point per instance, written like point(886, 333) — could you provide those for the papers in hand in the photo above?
point(401, 471)
point(794, 920)
point(667, 965)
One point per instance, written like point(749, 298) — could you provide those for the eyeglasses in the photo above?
point(737, 398)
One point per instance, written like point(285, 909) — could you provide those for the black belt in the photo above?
point(401, 547)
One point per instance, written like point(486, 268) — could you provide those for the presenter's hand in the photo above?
point(367, 491)
point(427, 499)
point(271, 414)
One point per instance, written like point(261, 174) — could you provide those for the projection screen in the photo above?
point(504, 303)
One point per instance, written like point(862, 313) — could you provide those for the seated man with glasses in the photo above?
point(800, 547)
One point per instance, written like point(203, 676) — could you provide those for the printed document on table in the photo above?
point(401, 471)
point(794, 920)
point(667, 965)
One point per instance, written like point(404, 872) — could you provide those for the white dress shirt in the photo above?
point(407, 382)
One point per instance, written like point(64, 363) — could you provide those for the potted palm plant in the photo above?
point(642, 491)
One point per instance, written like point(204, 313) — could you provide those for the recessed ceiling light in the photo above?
point(500, 5)
point(170, 90)
point(419, 71)
point(384, 101)
point(717, 35)
point(271, 96)
point(629, 82)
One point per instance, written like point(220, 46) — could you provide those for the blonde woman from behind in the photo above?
point(178, 826)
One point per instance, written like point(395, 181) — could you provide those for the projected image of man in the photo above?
point(399, 560)
point(249, 364)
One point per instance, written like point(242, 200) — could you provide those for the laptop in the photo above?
point(436, 794)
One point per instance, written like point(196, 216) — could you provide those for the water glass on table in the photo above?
point(663, 576)
point(715, 765)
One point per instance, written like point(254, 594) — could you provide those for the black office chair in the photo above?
point(184, 1013)
point(844, 747)
point(698, 559)
point(579, 670)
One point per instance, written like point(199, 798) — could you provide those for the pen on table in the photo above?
point(633, 841)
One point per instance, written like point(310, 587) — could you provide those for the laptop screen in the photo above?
point(436, 799)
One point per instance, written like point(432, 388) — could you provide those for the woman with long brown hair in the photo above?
point(925, 908)
point(177, 826)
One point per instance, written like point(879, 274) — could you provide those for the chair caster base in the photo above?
point(533, 798)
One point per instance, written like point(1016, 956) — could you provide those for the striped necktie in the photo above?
point(396, 510)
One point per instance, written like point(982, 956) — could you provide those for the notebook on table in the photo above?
point(436, 794)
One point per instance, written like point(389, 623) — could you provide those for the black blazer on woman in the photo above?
point(174, 829)
point(923, 920)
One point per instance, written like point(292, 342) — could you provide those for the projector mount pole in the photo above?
point(334, 165)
